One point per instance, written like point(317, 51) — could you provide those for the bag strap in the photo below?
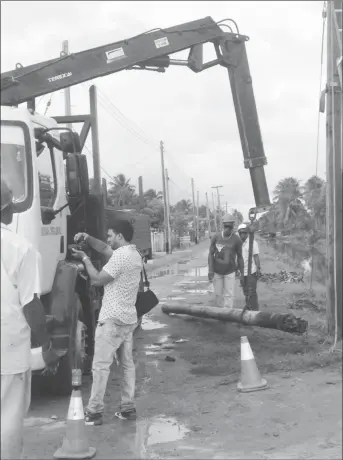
point(147, 284)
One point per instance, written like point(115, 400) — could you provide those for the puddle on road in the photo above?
point(176, 269)
point(197, 271)
point(150, 325)
point(163, 429)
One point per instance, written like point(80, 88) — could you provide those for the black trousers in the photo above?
point(253, 301)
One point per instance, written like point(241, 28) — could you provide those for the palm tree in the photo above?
point(315, 200)
point(238, 216)
point(287, 196)
point(152, 194)
point(185, 206)
point(121, 191)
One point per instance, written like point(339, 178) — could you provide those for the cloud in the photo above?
point(192, 113)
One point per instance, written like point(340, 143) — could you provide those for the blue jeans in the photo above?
point(112, 341)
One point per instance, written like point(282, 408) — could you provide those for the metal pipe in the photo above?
point(259, 185)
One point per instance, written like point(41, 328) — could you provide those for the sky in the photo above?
point(192, 113)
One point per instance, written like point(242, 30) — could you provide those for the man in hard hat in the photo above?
point(255, 267)
point(21, 313)
point(224, 256)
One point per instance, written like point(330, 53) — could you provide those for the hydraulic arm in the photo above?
point(151, 51)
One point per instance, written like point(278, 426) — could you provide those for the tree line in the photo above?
point(297, 209)
point(122, 194)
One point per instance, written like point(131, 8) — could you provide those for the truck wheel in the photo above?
point(60, 383)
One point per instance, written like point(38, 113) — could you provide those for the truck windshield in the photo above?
point(14, 161)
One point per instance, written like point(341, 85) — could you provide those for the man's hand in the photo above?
point(80, 237)
point(258, 272)
point(51, 356)
point(79, 255)
point(242, 280)
point(210, 276)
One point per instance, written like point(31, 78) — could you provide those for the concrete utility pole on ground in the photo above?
point(164, 199)
point(334, 169)
point(219, 206)
point(194, 215)
point(168, 213)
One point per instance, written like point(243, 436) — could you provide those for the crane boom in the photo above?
point(26, 83)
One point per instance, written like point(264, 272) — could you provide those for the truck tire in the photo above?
point(60, 384)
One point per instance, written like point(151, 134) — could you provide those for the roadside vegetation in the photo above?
point(298, 212)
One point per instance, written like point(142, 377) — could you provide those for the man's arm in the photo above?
point(211, 257)
point(256, 253)
point(240, 261)
point(97, 278)
point(98, 245)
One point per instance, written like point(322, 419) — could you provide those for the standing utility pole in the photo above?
point(168, 213)
point(334, 169)
point(95, 139)
point(164, 199)
point(194, 216)
point(67, 101)
point(208, 217)
point(219, 206)
point(215, 214)
point(198, 215)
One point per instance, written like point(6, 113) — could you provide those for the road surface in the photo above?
point(190, 408)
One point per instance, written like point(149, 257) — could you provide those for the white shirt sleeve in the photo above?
point(29, 279)
point(116, 264)
point(256, 251)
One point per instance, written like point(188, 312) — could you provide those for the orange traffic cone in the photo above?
point(75, 444)
point(250, 377)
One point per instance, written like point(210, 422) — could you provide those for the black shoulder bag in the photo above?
point(146, 300)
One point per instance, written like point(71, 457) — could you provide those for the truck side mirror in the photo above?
point(77, 175)
point(70, 142)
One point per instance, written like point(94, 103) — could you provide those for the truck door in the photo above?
point(52, 197)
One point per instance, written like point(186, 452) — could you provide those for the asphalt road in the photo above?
point(185, 411)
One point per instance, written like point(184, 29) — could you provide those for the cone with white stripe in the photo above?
point(251, 379)
point(75, 443)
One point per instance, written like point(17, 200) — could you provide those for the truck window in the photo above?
point(13, 161)
point(47, 178)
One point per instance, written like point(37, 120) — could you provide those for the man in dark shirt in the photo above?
point(224, 255)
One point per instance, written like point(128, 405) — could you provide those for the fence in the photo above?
point(158, 243)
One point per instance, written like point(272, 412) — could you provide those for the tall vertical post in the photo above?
point(95, 139)
point(168, 213)
point(334, 174)
point(198, 237)
point(215, 214)
point(164, 199)
point(194, 215)
point(140, 192)
point(219, 205)
point(67, 100)
point(208, 217)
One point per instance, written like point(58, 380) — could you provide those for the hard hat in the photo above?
point(228, 218)
point(6, 195)
point(242, 227)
